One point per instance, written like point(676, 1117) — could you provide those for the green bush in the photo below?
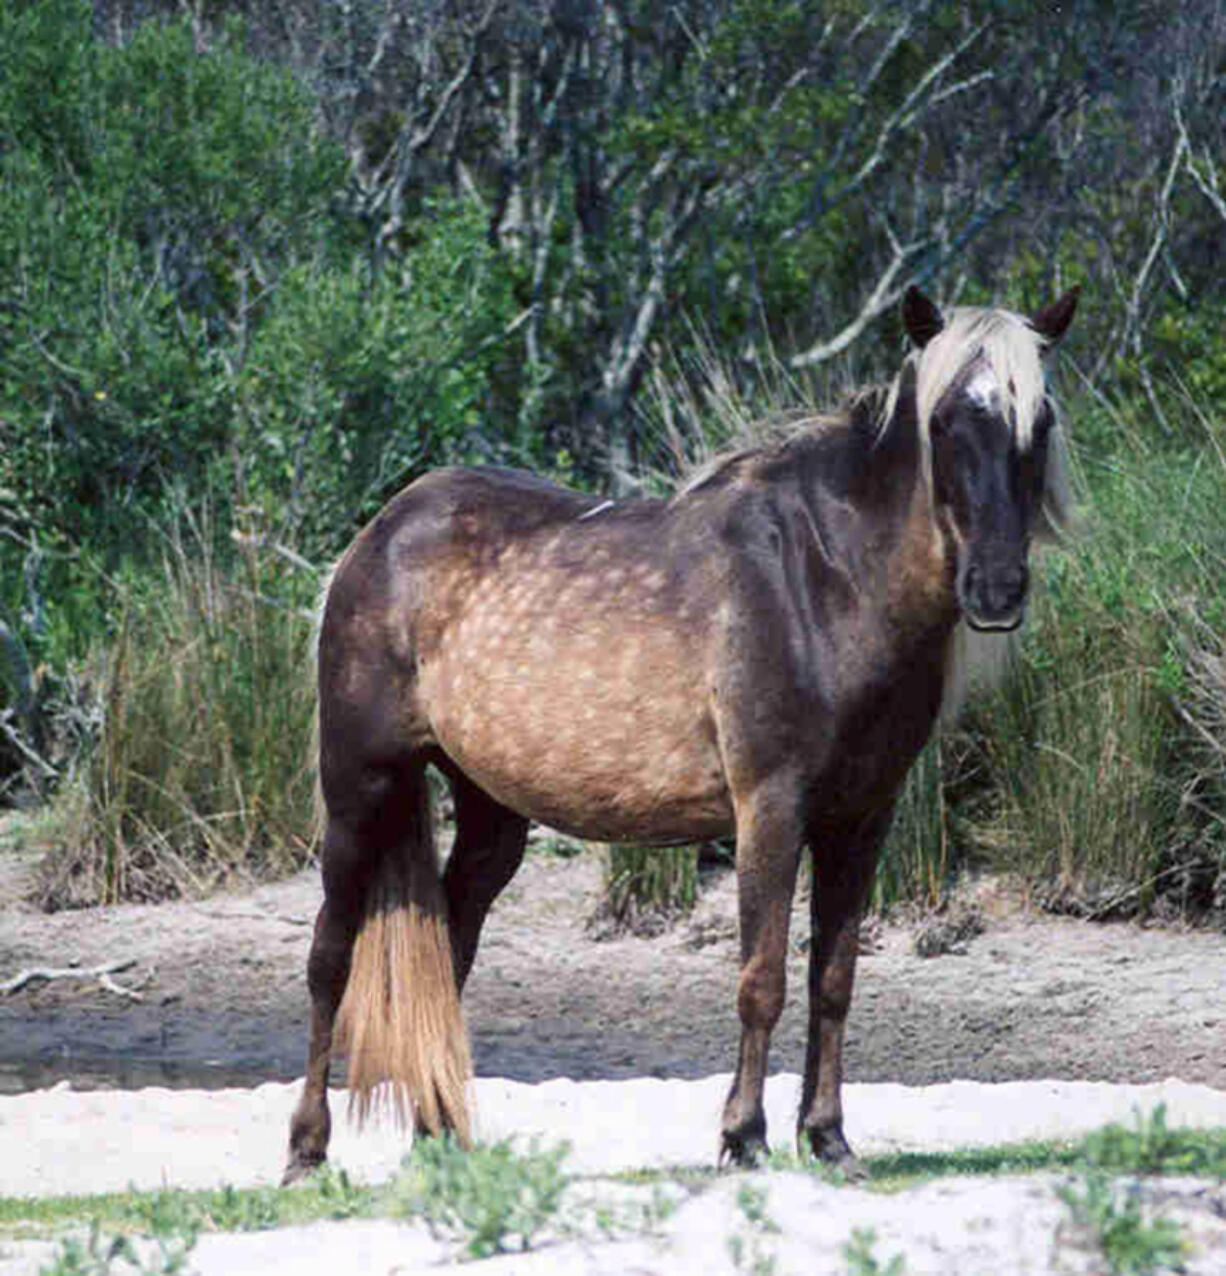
point(351, 387)
point(148, 206)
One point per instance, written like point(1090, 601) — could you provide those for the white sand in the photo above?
point(60, 1141)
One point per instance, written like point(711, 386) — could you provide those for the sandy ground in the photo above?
point(945, 1051)
point(75, 1142)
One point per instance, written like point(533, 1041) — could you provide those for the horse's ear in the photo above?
point(1052, 323)
point(921, 317)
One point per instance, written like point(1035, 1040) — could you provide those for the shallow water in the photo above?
point(19, 1076)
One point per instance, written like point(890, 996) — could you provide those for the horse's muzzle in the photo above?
point(993, 600)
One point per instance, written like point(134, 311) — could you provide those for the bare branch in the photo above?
point(907, 113)
point(886, 293)
point(1161, 229)
point(101, 973)
point(1202, 169)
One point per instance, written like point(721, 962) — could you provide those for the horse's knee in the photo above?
point(760, 993)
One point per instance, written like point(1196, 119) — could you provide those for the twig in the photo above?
point(101, 973)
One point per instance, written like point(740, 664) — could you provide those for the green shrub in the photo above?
point(148, 207)
point(352, 387)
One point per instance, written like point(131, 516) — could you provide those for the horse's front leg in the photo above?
point(768, 833)
point(843, 868)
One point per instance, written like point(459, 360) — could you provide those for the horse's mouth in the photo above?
point(1003, 624)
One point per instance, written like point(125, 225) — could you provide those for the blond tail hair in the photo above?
point(400, 1019)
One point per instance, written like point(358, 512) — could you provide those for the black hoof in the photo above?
point(745, 1151)
point(830, 1147)
point(299, 1166)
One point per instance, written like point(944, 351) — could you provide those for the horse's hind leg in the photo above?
point(768, 833)
point(488, 849)
point(347, 867)
point(843, 868)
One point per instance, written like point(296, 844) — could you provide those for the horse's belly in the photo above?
point(611, 750)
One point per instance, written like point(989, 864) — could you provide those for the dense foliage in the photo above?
point(276, 260)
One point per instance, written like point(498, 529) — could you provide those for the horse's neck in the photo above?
point(894, 543)
point(919, 572)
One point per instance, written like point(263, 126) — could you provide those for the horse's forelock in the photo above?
point(1002, 342)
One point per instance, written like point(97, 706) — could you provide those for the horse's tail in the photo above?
point(400, 1018)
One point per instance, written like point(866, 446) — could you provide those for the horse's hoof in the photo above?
point(299, 1166)
point(832, 1150)
point(744, 1151)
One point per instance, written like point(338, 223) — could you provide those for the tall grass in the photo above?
point(647, 884)
point(1097, 774)
point(201, 770)
point(920, 854)
point(1105, 750)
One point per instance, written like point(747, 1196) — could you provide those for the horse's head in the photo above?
point(991, 445)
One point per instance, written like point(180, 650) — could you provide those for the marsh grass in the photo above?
point(1106, 751)
point(646, 886)
point(1077, 745)
point(200, 770)
point(1097, 773)
point(920, 853)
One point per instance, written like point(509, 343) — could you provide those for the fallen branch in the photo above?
point(101, 973)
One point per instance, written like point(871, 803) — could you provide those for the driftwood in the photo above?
point(101, 973)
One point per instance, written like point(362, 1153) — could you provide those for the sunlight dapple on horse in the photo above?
point(763, 655)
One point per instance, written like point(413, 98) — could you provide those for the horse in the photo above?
point(762, 656)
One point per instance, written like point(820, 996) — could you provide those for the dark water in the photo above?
point(99, 1056)
point(18, 1076)
point(131, 1047)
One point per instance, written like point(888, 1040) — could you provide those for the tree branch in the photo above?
point(101, 973)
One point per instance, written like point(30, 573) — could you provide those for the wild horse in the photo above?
point(763, 654)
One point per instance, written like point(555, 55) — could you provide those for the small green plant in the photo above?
point(491, 1196)
point(339, 1197)
point(1148, 1148)
point(1111, 1213)
point(749, 1249)
point(1151, 1147)
point(862, 1261)
point(101, 1255)
point(751, 1201)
